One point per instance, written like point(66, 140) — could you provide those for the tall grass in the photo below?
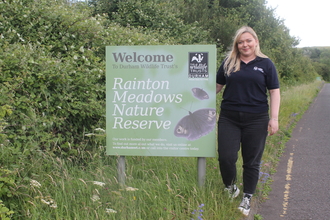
point(157, 188)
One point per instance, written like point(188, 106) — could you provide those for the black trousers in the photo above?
point(245, 131)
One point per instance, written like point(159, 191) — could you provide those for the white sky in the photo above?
point(306, 19)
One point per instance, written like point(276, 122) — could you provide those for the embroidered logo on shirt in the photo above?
point(258, 69)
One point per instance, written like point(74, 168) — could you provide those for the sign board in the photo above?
point(160, 100)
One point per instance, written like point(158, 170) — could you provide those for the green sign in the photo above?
point(160, 100)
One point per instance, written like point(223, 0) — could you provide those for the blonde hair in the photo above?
point(233, 61)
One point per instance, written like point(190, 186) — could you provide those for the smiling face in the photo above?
point(246, 45)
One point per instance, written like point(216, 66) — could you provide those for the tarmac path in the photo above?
point(301, 186)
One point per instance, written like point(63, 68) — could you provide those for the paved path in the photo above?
point(301, 187)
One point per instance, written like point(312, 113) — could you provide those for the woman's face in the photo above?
point(247, 45)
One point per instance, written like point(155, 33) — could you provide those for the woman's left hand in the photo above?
point(272, 126)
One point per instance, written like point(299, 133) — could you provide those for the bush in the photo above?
point(5, 213)
point(6, 182)
point(53, 72)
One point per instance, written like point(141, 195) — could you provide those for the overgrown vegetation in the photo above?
point(52, 95)
point(321, 60)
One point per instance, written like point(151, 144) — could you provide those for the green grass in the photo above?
point(163, 188)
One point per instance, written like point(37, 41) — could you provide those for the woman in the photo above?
point(244, 120)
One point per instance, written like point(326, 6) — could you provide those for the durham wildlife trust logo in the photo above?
point(198, 65)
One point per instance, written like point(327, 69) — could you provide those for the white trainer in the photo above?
point(244, 206)
point(233, 191)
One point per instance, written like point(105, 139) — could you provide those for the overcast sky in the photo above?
point(307, 20)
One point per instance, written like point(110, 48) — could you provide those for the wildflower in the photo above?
point(110, 210)
point(263, 176)
point(98, 183)
point(89, 134)
point(198, 213)
point(99, 129)
point(44, 201)
point(95, 198)
point(131, 189)
point(54, 206)
point(49, 201)
point(267, 164)
point(35, 183)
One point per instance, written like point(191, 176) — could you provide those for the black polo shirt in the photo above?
point(246, 90)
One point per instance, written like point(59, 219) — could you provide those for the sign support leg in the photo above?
point(201, 169)
point(121, 170)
